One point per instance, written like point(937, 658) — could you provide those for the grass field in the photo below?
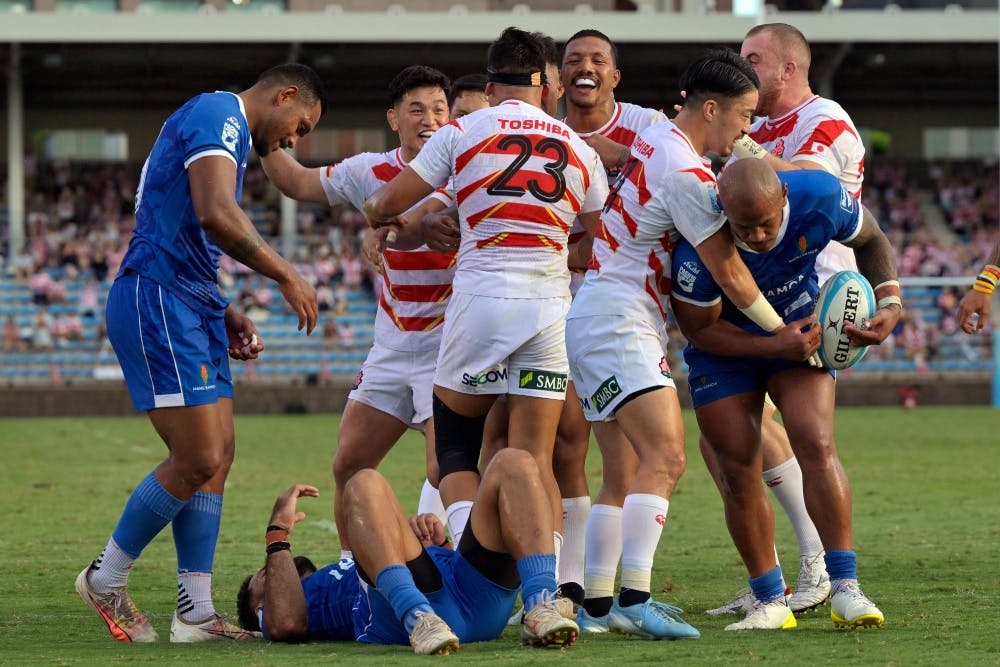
point(927, 530)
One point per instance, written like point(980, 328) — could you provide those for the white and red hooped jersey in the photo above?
point(416, 283)
point(820, 131)
point(521, 178)
point(626, 122)
point(665, 191)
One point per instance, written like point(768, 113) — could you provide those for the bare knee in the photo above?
point(508, 463)
point(363, 484)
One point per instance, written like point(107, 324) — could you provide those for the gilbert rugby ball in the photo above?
point(845, 297)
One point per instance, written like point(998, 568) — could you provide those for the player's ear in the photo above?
point(615, 78)
point(709, 108)
point(287, 94)
point(490, 90)
point(390, 117)
point(784, 194)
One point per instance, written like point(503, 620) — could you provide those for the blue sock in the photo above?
point(538, 575)
point(148, 510)
point(841, 565)
point(196, 531)
point(768, 586)
point(396, 584)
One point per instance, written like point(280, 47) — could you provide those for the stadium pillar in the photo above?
point(996, 368)
point(289, 211)
point(15, 154)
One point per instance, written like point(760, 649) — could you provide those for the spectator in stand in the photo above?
point(11, 336)
point(41, 333)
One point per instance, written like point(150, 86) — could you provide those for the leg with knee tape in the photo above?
point(458, 439)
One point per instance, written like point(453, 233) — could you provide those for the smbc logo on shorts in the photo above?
point(543, 380)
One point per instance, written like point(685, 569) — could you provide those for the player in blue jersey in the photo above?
point(172, 328)
point(430, 597)
point(780, 223)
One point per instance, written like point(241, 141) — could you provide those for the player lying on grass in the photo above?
point(779, 224)
point(433, 597)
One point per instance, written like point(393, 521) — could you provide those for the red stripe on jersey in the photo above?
point(465, 192)
point(329, 170)
point(663, 281)
point(419, 293)
point(667, 244)
point(622, 135)
point(462, 160)
point(385, 172)
point(768, 133)
point(637, 176)
point(704, 175)
point(617, 205)
point(410, 323)
point(519, 240)
point(824, 135)
point(401, 260)
point(651, 291)
point(605, 235)
point(516, 211)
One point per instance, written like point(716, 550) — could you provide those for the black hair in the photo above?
point(413, 77)
point(245, 615)
point(720, 72)
point(310, 86)
point(516, 51)
point(468, 82)
point(590, 32)
point(550, 46)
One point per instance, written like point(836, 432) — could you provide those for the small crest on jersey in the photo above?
point(357, 380)
point(231, 133)
point(686, 276)
point(779, 148)
point(803, 245)
point(665, 368)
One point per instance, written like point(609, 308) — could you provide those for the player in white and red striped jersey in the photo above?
point(589, 73)
point(392, 391)
point(521, 177)
point(797, 129)
point(615, 328)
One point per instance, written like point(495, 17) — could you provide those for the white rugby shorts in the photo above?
point(496, 345)
point(398, 383)
point(612, 357)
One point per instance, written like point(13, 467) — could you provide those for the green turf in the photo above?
point(927, 530)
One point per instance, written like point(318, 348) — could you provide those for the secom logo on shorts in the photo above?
point(608, 390)
point(489, 377)
point(544, 380)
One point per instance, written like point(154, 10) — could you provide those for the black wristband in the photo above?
point(274, 526)
point(275, 547)
point(445, 541)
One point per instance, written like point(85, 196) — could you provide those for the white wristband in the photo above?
point(887, 301)
point(763, 314)
point(745, 147)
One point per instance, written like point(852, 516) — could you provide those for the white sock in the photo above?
point(557, 545)
point(603, 550)
point(194, 596)
point(643, 516)
point(575, 514)
point(430, 503)
point(458, 517)
point(110, 569)
point(785, 482)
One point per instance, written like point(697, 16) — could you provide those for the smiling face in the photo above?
point(589, 72)
point(417, 116)
point(288, 120)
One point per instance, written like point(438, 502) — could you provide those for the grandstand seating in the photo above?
point(290, 355)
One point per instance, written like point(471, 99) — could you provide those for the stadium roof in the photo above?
point(918, 59)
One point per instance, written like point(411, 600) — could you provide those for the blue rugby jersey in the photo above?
point(819, 210)
point(169, 245)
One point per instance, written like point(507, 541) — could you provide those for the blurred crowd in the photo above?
point(941, 219)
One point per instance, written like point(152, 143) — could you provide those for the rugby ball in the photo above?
point(845, 297)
